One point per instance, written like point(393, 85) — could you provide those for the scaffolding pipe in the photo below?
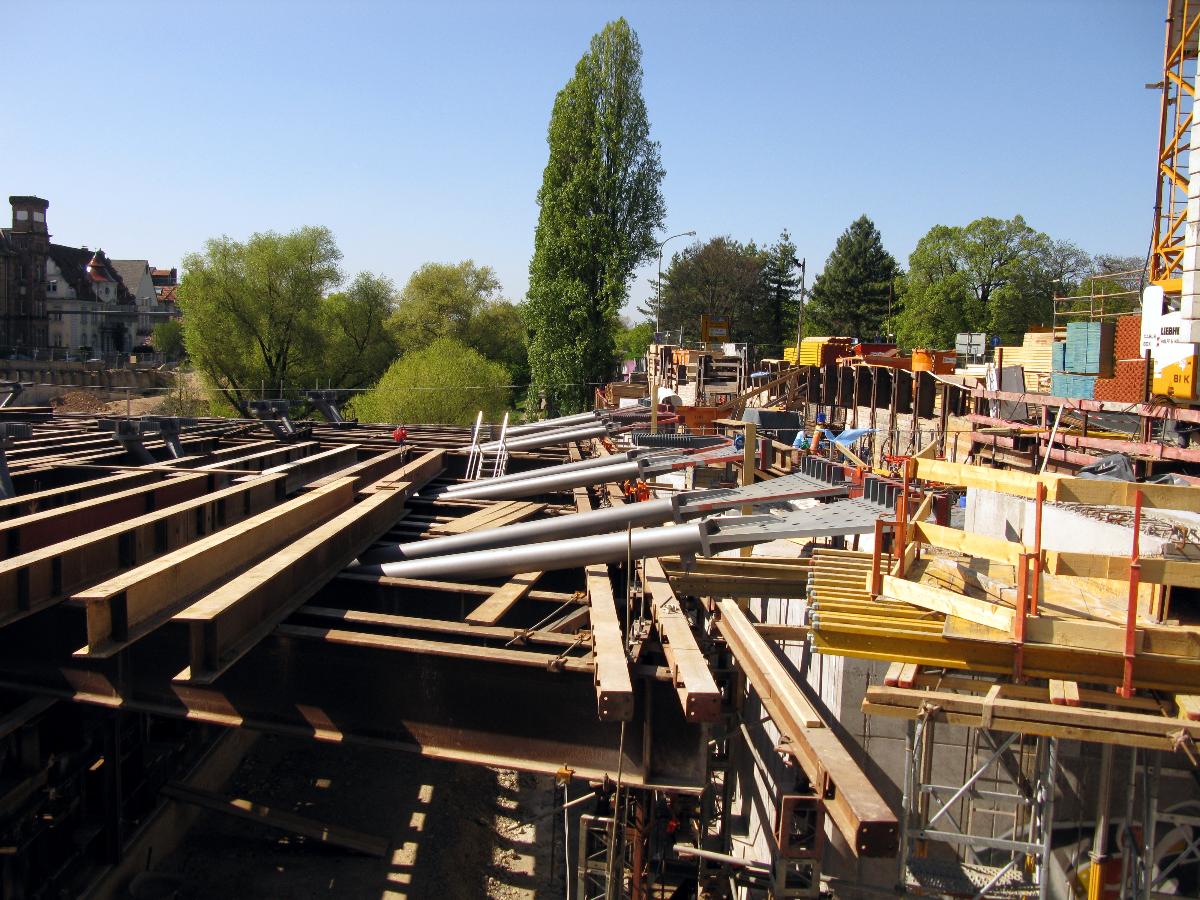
point(547, 484)
point(548, 556)
point(1099, 854)
point(550, 438)
point(548, 424)
point(594, 463)
point(601, 521)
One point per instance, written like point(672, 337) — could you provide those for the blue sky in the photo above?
point(417, 131)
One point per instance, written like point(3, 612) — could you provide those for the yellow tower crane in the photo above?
point(1171, 301)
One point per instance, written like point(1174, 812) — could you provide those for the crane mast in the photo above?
point(1171, 300)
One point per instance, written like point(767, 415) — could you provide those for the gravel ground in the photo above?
point(456, 831)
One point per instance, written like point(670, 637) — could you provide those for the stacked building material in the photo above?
point(819, 351)
point(1034, 356)
point(1090, 348)
point(1128, 381)
point(1067, 384)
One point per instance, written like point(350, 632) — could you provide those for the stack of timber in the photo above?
point(1034, 356)
point(954, 601)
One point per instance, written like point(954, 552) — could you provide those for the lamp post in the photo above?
point(658, 297)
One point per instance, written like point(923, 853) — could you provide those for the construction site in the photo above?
point(850, 623)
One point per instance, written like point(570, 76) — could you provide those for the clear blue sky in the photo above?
point(416, 131)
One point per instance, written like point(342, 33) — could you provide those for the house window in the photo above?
point(22, 215)
point(52, 287)
point(39, 217)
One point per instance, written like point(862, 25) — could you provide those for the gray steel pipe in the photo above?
point(549, 438)
point(594, 463)
point(600, 521)
point(545, 484)
point(548, 424)
point(549, 556)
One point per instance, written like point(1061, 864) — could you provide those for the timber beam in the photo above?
point(856, 808)
point(227, 622)
point(690, 672)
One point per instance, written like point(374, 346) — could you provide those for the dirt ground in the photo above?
point(84, 401)
point(456, 831)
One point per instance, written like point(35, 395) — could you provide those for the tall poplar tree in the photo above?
point(781, 286)
point(601, 206)
point(851, 295)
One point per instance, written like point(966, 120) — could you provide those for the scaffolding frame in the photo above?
point(974, 872)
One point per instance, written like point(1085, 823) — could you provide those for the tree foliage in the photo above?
point(358, 343)
point(168, 338)
point(851, 296)
point(461, 301)
point(600, 207)
point(992, 275)
point(781, 290)
point(445, 382)
point(634, 341)
point(256, 315)
point(721, 278)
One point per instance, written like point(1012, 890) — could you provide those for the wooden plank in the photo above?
point(949, 603)
point(456, 587)
point(368, 844)
point(852, 803)
point(308, 469)
point(614, 686)
point(969, 543)
point(491, 610)
point(1003, 481)
point(34, 580)
point(412, 476)
point(1074, 634)
point(127, 607)
point(72, 493)
point(1062, 488)
point(491, 516)
point(40, 529)
point(440, 626)
point(690, 673)
point(530, 659)
point(1062, 693)
point(1189, 706)
point(276, 455)
point(370, 469)
point(224, 624)
point(1155, 570)
point(1016, 710)
point(908, 675)
point(890, 678)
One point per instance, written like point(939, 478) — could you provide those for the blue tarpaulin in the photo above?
point(850, 435)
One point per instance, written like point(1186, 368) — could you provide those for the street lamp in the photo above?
point(658, 299)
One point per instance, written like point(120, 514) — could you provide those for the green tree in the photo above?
point(781, 289)
point(168, 338)
point(446, 382)
point(992, 275)
point(720, 278)
point(634, 341)
point(252, 311)
point(359, 346)
point(600, 207)
point(852, 294)
point(462, 301)
point(498, 332)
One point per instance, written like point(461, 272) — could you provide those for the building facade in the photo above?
point(89, 307)
point(71, 298)
point(24, 249)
